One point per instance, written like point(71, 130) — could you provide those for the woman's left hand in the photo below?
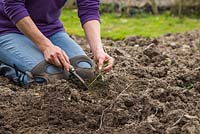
point(102, 59)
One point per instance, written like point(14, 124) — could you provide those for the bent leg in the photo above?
point(18, 51)
point(20, 55)
point(71, 48)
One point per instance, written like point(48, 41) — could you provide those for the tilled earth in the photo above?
point(154, 88)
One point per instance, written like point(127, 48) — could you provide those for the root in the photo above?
point(178, 121)
point(111, 105)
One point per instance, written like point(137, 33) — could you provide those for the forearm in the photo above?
point(52, 53)
point(92, 32)
point(28, 28)
point(18, 14)
point(88, 11)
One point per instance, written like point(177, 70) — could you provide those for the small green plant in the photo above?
point(96, 78)
point(198, 45)
point(99, 75)
point(189, 86)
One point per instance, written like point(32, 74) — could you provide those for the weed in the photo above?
point(198, 45)
point(99, 75)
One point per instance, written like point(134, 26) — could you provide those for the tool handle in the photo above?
point(71, 68)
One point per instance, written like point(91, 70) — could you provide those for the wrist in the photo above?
point(98, 47)
point(98, 50)
point(43, 44)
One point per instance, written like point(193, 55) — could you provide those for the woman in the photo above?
point(34, 42)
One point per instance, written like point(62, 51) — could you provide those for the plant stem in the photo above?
point(95, 79)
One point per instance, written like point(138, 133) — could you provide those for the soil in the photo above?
point(154, 88)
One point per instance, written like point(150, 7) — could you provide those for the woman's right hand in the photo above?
point(56, 56)
point(52, 53)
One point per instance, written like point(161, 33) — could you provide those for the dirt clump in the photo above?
point(154, 88)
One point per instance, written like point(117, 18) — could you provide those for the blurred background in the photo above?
point(151, 18)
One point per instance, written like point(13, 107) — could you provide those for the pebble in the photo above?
point(75, 95)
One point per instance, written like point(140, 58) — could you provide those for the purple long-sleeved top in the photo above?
point(45, 14)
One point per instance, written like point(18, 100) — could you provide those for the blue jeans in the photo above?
point(19, 52)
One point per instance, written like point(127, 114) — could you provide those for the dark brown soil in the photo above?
point(154, 88)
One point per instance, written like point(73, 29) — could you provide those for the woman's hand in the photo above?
point(104, 61)
point(56, 56)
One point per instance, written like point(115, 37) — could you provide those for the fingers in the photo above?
point(66, 62)
point(58, 58)
point(109, 66)
point(100, 63)
point(105, 63)
point(63, 61)
point(54, 60)
point(66, 57)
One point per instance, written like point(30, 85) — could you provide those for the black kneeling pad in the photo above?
point(84, 73)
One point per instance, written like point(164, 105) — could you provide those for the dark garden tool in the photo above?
point(74, 73)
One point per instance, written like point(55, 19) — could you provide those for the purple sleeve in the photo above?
point(88, 10)
point(15, 9)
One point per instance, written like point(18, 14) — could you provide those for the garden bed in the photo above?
point(153, 88)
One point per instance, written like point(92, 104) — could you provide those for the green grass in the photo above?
point(146, 25)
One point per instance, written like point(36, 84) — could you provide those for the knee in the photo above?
point(84, 66)
point(46, 72)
